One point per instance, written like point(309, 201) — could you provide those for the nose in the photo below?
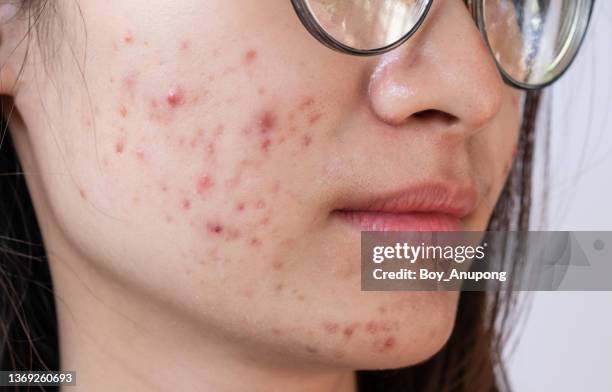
point(443, 77)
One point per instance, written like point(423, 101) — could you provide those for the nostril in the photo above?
point(432, 115)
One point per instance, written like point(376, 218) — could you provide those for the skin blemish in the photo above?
point(119, 147)
point(260, 204)
point(388, 344)
point(374, 327)
point(140, 155)
point(306, 140)
point(306, 103)
point(311, 350)
point(204, 183)
point(276, 331)
point(123, 111)
point(214, 228)
point(130, 81)
point(128, 38)
point(175, 97)
point(186, 204)
point(240, 207)
point(185, 44)
point(255, 242)
point(279, 287)
point(266, 122)
point(250, 56)
point(265, 145)
point(314, 118)
point(350, 330)
point(82, 193)
point(278, 265)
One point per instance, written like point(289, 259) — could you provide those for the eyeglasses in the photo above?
point(533, 42)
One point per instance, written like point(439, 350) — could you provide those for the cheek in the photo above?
point(193, 154)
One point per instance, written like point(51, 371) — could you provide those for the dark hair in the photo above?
point(469, 361)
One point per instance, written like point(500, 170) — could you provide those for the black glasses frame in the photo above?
point(476, 8)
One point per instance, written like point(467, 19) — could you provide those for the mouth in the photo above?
point(429, 206)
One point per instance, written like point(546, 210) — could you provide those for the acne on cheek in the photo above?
point(267, 129)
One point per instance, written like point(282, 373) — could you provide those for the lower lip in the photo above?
point(409, 221)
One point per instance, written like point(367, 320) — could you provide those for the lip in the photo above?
point(428, 206)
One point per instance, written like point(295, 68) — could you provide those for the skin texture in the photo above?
point(185, 159)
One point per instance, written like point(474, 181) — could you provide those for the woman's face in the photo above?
point(215, 161)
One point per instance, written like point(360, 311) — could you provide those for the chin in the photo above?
point(417, 328)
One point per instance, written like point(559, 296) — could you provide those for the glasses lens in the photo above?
point(368, 24)
point(534, 41)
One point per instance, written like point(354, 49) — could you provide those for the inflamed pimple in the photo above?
point(214, 228)
point(175, 97)
point(250, 56)
point(204, 183)
point(267, 121)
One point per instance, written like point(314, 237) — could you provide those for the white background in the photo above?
point(566, 341)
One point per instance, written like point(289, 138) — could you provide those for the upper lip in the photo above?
point(457, 199)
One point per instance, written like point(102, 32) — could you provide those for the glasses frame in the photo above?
point(476, 7)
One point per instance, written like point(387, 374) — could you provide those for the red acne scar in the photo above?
point(374, 327)
point(388, 344)
point(265, 144)
point(204, 184)
point(185, 44)
point(129, 81)
point(250, 56)
point(255, 241)
point(311, 350)
point(119, 147)
point(240, 206)
point(348, 331)
point(128, 38)
point(267, 122)
point(214, 228)
point(306, 140)
point(175, 97)
point(314, 118)
point(278, 265)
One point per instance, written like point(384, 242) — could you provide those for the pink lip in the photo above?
point(431, 206)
